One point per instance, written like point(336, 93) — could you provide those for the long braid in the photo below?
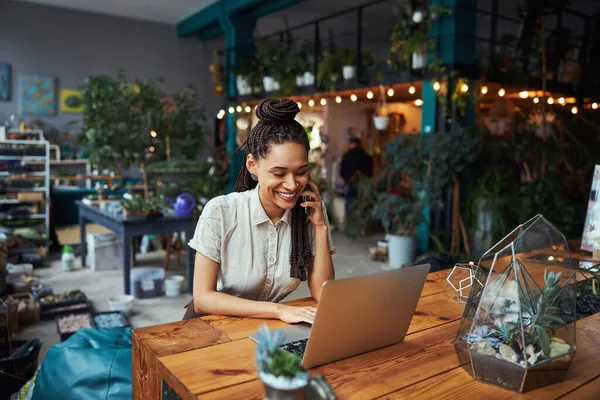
point(277, 126)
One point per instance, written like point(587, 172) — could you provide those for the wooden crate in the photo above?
point(30, 196)
point(28, 315)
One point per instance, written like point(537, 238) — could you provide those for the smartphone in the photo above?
point(307, 210)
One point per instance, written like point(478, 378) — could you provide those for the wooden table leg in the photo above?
point(126, 262)
point(146, 383)
point(190, 253)
point(82, 240)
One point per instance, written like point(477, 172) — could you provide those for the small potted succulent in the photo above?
point(280, 371)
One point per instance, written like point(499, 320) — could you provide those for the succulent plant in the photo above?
point(484, 333)
point(273, 360)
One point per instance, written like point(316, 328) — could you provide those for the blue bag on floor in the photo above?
point(93, 364)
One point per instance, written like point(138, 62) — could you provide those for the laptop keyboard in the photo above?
point(297, 347)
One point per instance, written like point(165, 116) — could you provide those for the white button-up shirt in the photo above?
point(253, 252)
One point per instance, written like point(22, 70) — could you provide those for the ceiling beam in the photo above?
point(208, 22)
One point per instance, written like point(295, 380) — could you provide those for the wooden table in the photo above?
point(129, 227)
point(213, 358)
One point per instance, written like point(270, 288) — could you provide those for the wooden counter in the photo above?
point(213, 358)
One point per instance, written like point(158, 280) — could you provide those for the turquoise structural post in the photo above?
point(428, 127)
point(455, 38)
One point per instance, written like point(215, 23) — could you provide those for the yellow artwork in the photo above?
point(71, 101)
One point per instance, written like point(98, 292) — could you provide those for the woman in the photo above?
point(255, 245)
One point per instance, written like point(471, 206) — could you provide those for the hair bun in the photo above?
point(277, 112)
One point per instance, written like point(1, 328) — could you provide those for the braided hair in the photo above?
point(277, 126)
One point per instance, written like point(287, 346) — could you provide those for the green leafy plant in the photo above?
point(273, 360)
point(139, 205)
point(119, 116)
point(329, 69)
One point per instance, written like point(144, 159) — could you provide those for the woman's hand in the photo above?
point(292, 314)
point(316, 216)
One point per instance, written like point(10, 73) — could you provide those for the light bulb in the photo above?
point(338, 99)
point(484, 90)
point(523, 94)
point(595, 106)
point(151, 149)
point(390, 92)
point(562, 101)
point(231, 110)
point(154, 134)
point(323, 101)
point(574, 110)
point(436, 86)
point(220, 116)
point(418, 102)
point(550, 100)
point(248, 109)
point(311, 103)
point(369, 95)
point(501, 92)
point(536, 100)
point(464, 88)
point(412, 89)
point(353, 97)
point(299, 105)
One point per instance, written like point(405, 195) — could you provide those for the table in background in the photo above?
point(130, 227)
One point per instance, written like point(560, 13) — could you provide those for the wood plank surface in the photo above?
point(435, 282)
point(590, 391)
point(458, 383)
point(431, 311)
point(154, 341)
point(366, 376)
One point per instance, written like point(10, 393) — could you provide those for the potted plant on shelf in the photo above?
point(328, 71)
point(410, 35)
point(348, 58)
point(280, 371)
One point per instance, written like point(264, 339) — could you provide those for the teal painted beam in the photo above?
point(211, 15)
point(201, 20)
point(456, 32)
point(211, 32)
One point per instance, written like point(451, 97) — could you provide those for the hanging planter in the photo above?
point(299, 81)
point(381, 120)
point(269, 83)
point(349, 72)
point(419, 60)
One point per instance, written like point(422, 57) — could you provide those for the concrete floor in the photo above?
point(351, 259)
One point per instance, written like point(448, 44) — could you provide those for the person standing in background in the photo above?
point(354, 161)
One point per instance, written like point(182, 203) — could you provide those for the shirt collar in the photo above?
point(258, 213)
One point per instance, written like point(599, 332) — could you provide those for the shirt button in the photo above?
point(273, 234)
point(271, 259)
point(269, 281)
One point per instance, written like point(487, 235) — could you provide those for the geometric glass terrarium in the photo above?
point(518, 326)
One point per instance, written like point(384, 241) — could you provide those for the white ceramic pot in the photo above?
point(269, 83)
point(419, 60)
point(309, 78)
point(299, 81)
point(401, 250)
point(381, 123)
point(122, 303)
point(349, 72)
point(283, 388)
point(173, 285)
point(243, 87)
point(276, 85)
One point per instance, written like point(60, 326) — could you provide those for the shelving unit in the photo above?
point(25, 187)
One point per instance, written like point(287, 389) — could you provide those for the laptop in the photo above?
point(357, 315)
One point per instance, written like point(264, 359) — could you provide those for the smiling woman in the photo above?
point(256, 245)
